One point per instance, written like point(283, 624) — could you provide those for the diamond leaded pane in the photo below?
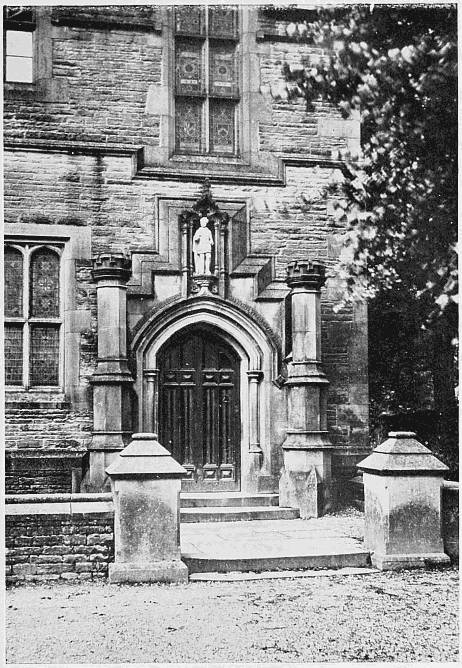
point(13, 282)
point(222, 138)
point(44, 284)
point(188, 126)
point(188, 68)
point(223, 74)
point(223, 22)
point(13, 354)
point(44, 355)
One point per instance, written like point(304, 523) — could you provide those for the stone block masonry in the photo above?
point(58, 537)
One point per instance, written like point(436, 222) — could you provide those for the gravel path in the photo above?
point(407, 617)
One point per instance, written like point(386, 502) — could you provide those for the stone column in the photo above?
point(306, 475)
point(254, 458)
point(151, 396)
point(402, 504)
point(145, 482)
point(112, 381)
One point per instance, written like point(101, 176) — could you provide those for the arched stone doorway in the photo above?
point(199, 413)
point(254, 356)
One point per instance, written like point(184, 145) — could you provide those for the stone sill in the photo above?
point(56, 498)
point(44, 453)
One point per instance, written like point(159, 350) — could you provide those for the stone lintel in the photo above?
point(112, 266)
point(157, 571)
point(306, 273)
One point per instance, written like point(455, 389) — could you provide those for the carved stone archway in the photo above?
point(258, 353)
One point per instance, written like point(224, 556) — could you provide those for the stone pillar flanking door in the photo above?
point(306, 475)
point(112, 380)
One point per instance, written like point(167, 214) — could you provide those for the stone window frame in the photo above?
point(18, 24)
point(75, 244)
point(42, 66)
point(161, 101)
point(27, 320)
point(206, 42)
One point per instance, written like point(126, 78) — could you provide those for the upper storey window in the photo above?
point(206, 80)
point(18, 44)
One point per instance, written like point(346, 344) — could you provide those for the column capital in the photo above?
point(112, 266)
point(150, 373)
point(255, 375)
point(305, 273)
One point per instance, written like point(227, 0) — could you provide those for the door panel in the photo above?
point(199, 409)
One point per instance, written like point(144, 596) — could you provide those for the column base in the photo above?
point(96, 478)
point(397, 562)
point(157, 571)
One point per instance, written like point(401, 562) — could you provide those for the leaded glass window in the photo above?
point(32, 316)
point(13, 282)
point(44, 284)
point(222, 127)
point(206, 80)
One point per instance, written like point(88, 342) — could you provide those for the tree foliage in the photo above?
point(397, 66)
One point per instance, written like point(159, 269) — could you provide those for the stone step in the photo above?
point(226, 499)
point(236, 514)
point(264, 546)
point(229, 564)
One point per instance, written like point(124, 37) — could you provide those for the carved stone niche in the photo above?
point(204, 247)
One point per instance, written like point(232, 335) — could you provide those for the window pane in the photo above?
point(13, 355)
point(19, 43)
point(44, 355)
point(188, 126)
point(13, 283)
point(222, 22)
point(223, 79)
point(18, 69)
point(222, 127)
point(188, 68)
point(44, 284)
point(189, 20)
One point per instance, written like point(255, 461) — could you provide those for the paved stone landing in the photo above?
point(330, 542)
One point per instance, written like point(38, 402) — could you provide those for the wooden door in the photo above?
point(199, 409)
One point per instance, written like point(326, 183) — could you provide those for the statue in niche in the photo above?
point(202, 248)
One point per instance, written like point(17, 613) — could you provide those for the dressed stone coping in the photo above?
point(58, 504)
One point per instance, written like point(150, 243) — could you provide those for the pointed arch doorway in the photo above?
point(199, 408)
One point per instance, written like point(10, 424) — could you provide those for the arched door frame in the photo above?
point(258, 356)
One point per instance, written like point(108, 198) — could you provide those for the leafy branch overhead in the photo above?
point(398, 67)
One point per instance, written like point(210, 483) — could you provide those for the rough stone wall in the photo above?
point(46, 475)
point(52, 546)
point(36, 425)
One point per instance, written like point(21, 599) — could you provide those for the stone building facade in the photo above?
point(130, 125)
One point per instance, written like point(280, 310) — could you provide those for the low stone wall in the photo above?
point(58, 537)
point(40, 471)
